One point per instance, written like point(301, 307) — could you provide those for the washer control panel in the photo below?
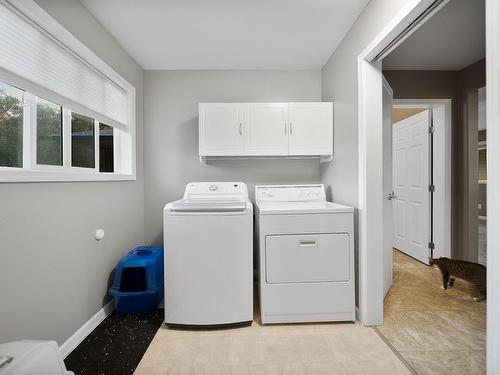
point(216, 191)
point(290, 193)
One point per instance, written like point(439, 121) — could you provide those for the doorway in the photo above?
point(436, 241)
point(412, 185)
point(371, 249)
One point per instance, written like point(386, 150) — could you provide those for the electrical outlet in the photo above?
point(479, 206)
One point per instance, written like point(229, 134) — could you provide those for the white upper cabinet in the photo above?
point(221, 129)
point(311, 128)
point(267, 130)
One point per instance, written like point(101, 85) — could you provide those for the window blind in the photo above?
point(36, 56)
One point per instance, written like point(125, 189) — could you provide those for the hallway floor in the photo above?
point(435, 331)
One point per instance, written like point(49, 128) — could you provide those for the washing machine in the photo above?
point(305, 251)
point(208, 254)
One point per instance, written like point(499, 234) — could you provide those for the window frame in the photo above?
point(124, 135)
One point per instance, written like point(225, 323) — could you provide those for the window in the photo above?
point(49, 133)
point(65, 115)
point(82, 141)
point(63, 140)
point(11, 126)
point(106, 148)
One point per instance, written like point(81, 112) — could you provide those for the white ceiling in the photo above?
point(450, 40)
point(225, 34)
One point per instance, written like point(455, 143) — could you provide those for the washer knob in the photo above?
point(213, 187)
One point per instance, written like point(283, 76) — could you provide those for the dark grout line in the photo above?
point(398, 354)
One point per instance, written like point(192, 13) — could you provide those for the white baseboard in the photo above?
point(80, 335)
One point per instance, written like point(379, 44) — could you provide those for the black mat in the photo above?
point(116, 346)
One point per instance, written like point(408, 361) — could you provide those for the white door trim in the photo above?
point(388, 185)
point(370, 167)
point(370, 126)
point(493, 170)
point(442, 169)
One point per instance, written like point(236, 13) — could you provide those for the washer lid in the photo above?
point(284, 208)
point(185, 206)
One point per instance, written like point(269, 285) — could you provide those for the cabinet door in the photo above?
point(221, 129)
point(311, 128)
point(267, 130)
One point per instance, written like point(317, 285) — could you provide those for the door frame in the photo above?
point(371, 307)
point(493, 170)
point(388, 215)
point(370, 153)
point(441, 162)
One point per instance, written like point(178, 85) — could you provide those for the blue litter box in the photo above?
point(138, 282)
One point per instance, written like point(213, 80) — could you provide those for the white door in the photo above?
point(411, 158)
point(267, 130)
point(221, 129)
point(311, 128)
point(387, 183)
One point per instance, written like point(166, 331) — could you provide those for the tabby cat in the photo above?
point(472, 272)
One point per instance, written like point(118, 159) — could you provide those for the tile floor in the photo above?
point(426, 331)
point(329, 349)
point(436, 331)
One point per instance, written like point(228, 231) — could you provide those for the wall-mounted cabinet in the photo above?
point(265, 130)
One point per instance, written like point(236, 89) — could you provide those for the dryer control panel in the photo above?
point(290, 193)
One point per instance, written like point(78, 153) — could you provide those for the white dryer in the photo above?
point(208, 241)
point(305, 249)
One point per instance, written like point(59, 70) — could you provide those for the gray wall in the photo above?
point(53, 274)
point(171, 132)
point(339, 80)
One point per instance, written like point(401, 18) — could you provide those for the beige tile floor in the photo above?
point(329, 349)
point(436, 331)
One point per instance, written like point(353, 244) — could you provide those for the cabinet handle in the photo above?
point(240, 129)
point(285, 128)
point(290, 128)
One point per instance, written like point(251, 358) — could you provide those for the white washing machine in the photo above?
point(208, 238)
point(305, 250)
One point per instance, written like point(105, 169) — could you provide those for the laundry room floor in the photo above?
point(435, 331)
point(426, 331)
point(339, 348)
point(116, 346)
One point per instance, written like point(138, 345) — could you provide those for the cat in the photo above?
point(472, 272)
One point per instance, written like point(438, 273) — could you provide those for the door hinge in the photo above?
point(432, 188)
point(431, 245)
point(431, 129)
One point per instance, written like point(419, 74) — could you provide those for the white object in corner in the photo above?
point(85, 330)
point(266, 130)
point(27, 357)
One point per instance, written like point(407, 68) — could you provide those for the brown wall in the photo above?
point(454, 85)
point(469, 80)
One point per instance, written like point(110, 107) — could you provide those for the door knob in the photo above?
point(391, 196)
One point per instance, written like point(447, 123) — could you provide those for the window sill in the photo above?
point(25, 175)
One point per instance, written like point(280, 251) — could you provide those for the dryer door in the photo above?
point(307, 258)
